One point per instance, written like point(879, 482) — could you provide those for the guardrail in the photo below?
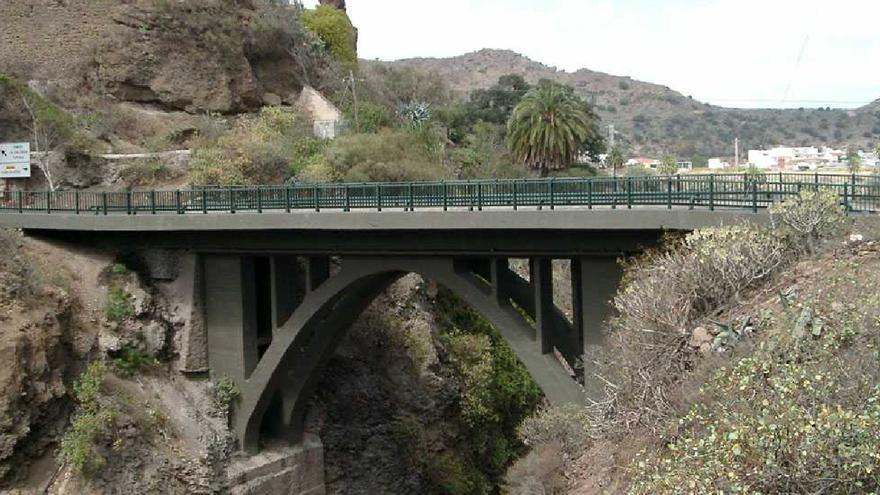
point(859, 193)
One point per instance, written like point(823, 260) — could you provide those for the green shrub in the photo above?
point(808, 218)
point(335, 30)
point(386, 156)
point(132, 361)
point(119, 304)
point(638, 171)
point(497, 392)
point(90, 420)
point(264, 150)
point(445, 472)
point(226, 394)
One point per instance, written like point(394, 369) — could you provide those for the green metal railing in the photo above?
point(858, 193)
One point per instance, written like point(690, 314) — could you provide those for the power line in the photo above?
point(797, 64)
point(771, 100)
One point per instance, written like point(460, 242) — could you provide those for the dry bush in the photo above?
point(664, 294)
point(667, 289)
point(570, 425)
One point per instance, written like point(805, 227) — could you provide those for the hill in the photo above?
point(654, 119)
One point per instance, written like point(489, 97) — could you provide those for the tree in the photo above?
point(334, 28)
point(551, 127)
point(853, 160)
point(615, 160)
point(668, 166)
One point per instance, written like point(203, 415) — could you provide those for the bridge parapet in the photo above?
point(742, 191)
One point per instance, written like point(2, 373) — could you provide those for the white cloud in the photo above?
point(731, 52)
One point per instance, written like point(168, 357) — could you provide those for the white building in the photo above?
point(794, 158)
point(717, 164)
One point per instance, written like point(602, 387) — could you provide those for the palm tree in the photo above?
point(550, 127)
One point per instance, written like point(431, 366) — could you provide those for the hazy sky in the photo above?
point(727, 52)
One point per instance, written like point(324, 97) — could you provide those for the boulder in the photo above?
point(700, 337)
point(272, 100)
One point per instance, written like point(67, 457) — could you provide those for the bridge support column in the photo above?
point(594, 283)
point(541, 276)
point(500, 276)
point(230, 316)
point(317, 271)
point(286, 293)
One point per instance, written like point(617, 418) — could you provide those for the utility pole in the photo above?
point(611, 135)
point(736, 152)
point(354, 100)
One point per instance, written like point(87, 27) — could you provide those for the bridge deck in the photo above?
point(426, 219)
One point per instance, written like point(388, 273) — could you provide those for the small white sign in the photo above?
point(15, 160)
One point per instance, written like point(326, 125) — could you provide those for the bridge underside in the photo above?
point(277, 301)
point(274, 320)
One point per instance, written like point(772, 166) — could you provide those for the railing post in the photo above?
point(668, 193)
point(259, 200)
point(614, 194)
point(76, 202)
point(378, 197)
point(409, 188)
point(128, 202)
point(711, 192)
point(816, 180)
point(552, 193)
point(48, 202)
point(287, 199)
point(590, 193)
point(177, 202)
point(104, 201)
point(754, 196)
point(479, 196)
point(317, 203)
point(347, 199)
point(445, 196)
point(515, 195)
point(854, 197)
point(232, 201)
point(629, 198)
point(153, 201)
point(846, 197)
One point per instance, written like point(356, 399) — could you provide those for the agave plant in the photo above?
point(415, 113)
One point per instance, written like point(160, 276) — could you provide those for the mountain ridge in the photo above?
point(650, 118)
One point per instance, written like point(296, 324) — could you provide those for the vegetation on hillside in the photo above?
point(496, 393)
point(91, 419)
point(266, 149)
point(742, 398)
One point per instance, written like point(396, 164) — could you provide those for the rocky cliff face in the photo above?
point(208, 55)
point(36, 344)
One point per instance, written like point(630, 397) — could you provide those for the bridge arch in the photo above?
point(290, 367)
